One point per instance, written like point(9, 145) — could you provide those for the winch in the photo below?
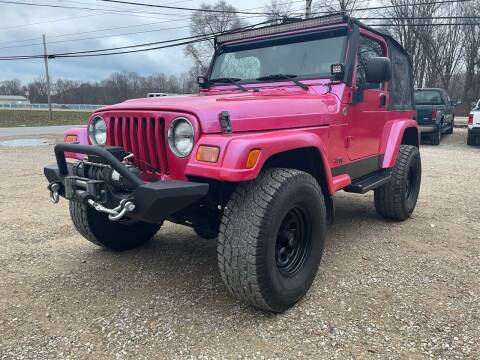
point(99, 185)
point(99, 171)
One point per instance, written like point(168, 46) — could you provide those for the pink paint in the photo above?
point(82, 138)
point(273, 117)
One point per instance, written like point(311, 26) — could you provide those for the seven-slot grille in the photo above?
point(142, 136)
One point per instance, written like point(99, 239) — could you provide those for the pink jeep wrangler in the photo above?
point(287, 116)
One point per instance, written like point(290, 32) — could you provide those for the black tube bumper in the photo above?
point(153, 201)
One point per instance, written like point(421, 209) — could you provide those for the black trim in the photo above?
point(370, 182)
point(359, 168)
point(353, 40)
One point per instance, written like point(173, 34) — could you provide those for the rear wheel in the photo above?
point(436, 137)
point(119, 236)
point(396, 200)
point(271, 238)
point(471, 140)
point(450, 129)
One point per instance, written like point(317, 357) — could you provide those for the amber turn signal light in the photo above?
point(208, 153)
point(252, 158)
point(70, 138)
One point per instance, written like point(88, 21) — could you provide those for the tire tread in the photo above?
point(238, 257)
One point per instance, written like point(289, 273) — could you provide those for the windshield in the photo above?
point(428, 97)
point(303, 57)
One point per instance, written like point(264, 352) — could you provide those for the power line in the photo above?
point(93, 31)
point(139, 50)
point(105, 36)
point(101, 52)
point(96, 37)
point(420, 18)
point(184, 8)
point(426, 24)
point(80, 8)
point(399, 5)
point(129, 11)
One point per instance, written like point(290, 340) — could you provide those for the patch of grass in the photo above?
point(15, 118)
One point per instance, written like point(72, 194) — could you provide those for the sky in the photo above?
point(67, 30)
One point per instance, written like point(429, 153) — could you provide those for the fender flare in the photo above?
point(234, 150)
point(393, 137)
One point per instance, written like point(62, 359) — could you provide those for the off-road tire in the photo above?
point(205, 234)
point(119, 236)
point(396, 200)
point(247, 243)
point(471, 140)
point(436, 137)
point(450, 129)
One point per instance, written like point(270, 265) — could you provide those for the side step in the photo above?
point(371, 182)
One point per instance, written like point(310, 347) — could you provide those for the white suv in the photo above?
point(474, 125)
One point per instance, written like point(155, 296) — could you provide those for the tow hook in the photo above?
point(54, 195)
point(117, 213)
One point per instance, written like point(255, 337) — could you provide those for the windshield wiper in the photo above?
point(230, 80)
point(283, 76)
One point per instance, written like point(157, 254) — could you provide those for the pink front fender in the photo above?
point(234, 150)
point(82, 138)
point(392, 139)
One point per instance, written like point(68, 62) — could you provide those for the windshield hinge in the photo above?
point(225, 122)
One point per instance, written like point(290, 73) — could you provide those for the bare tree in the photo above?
point(471, 52)
point(11, 87)
point(206, 23)
point(338, 6)
point(412, 37)
point(277, 10)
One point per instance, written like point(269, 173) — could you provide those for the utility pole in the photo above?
point(308, 8)
point(45, 57)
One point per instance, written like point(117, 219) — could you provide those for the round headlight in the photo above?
point(97, 131)
point(180, 137)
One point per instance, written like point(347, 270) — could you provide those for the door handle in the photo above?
point(383, 100)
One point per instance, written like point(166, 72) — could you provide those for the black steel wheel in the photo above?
point(293, 242)
point(271, 238)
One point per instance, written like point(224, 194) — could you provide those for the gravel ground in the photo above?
point(385, 290)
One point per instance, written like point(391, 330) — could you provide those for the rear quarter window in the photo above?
point(428, 97)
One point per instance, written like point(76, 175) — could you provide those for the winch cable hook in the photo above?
point(54, 188)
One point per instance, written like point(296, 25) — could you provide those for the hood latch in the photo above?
point(225, 123)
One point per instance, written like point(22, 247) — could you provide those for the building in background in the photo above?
point(13, 99)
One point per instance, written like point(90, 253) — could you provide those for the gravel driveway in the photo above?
point(385, 290)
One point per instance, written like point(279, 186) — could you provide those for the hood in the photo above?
point(252, 111)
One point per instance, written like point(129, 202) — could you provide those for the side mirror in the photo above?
point(379, 69)
point(202, 82)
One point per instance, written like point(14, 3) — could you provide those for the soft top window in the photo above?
point(400, 85)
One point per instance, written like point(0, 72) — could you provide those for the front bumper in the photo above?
point(153, 201)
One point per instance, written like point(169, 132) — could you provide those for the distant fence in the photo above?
point(63, 107)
